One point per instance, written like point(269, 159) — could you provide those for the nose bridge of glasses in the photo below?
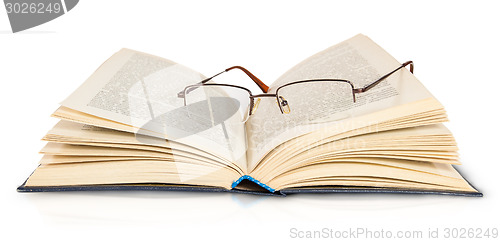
point(263, 95)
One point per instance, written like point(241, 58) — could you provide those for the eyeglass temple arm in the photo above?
point(257, 81)
point(371, 85)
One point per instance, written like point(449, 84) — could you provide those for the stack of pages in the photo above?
point(121, 130)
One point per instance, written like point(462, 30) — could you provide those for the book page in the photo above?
point(129, 172)
point(431, 174)
point(71, 132)
point(358, 60)
point(141, 91)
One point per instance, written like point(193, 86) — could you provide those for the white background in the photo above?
point(454, 46)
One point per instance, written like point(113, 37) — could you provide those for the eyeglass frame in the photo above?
point(265, 88)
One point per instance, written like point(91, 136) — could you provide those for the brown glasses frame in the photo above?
point(282, 102)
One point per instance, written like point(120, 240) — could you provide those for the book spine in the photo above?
point(235, 183)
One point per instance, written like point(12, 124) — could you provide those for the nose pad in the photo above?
point(284, 105)
point(255, 105)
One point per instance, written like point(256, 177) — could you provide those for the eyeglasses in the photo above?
point(324, 94)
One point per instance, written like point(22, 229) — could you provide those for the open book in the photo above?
point(126, 128)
